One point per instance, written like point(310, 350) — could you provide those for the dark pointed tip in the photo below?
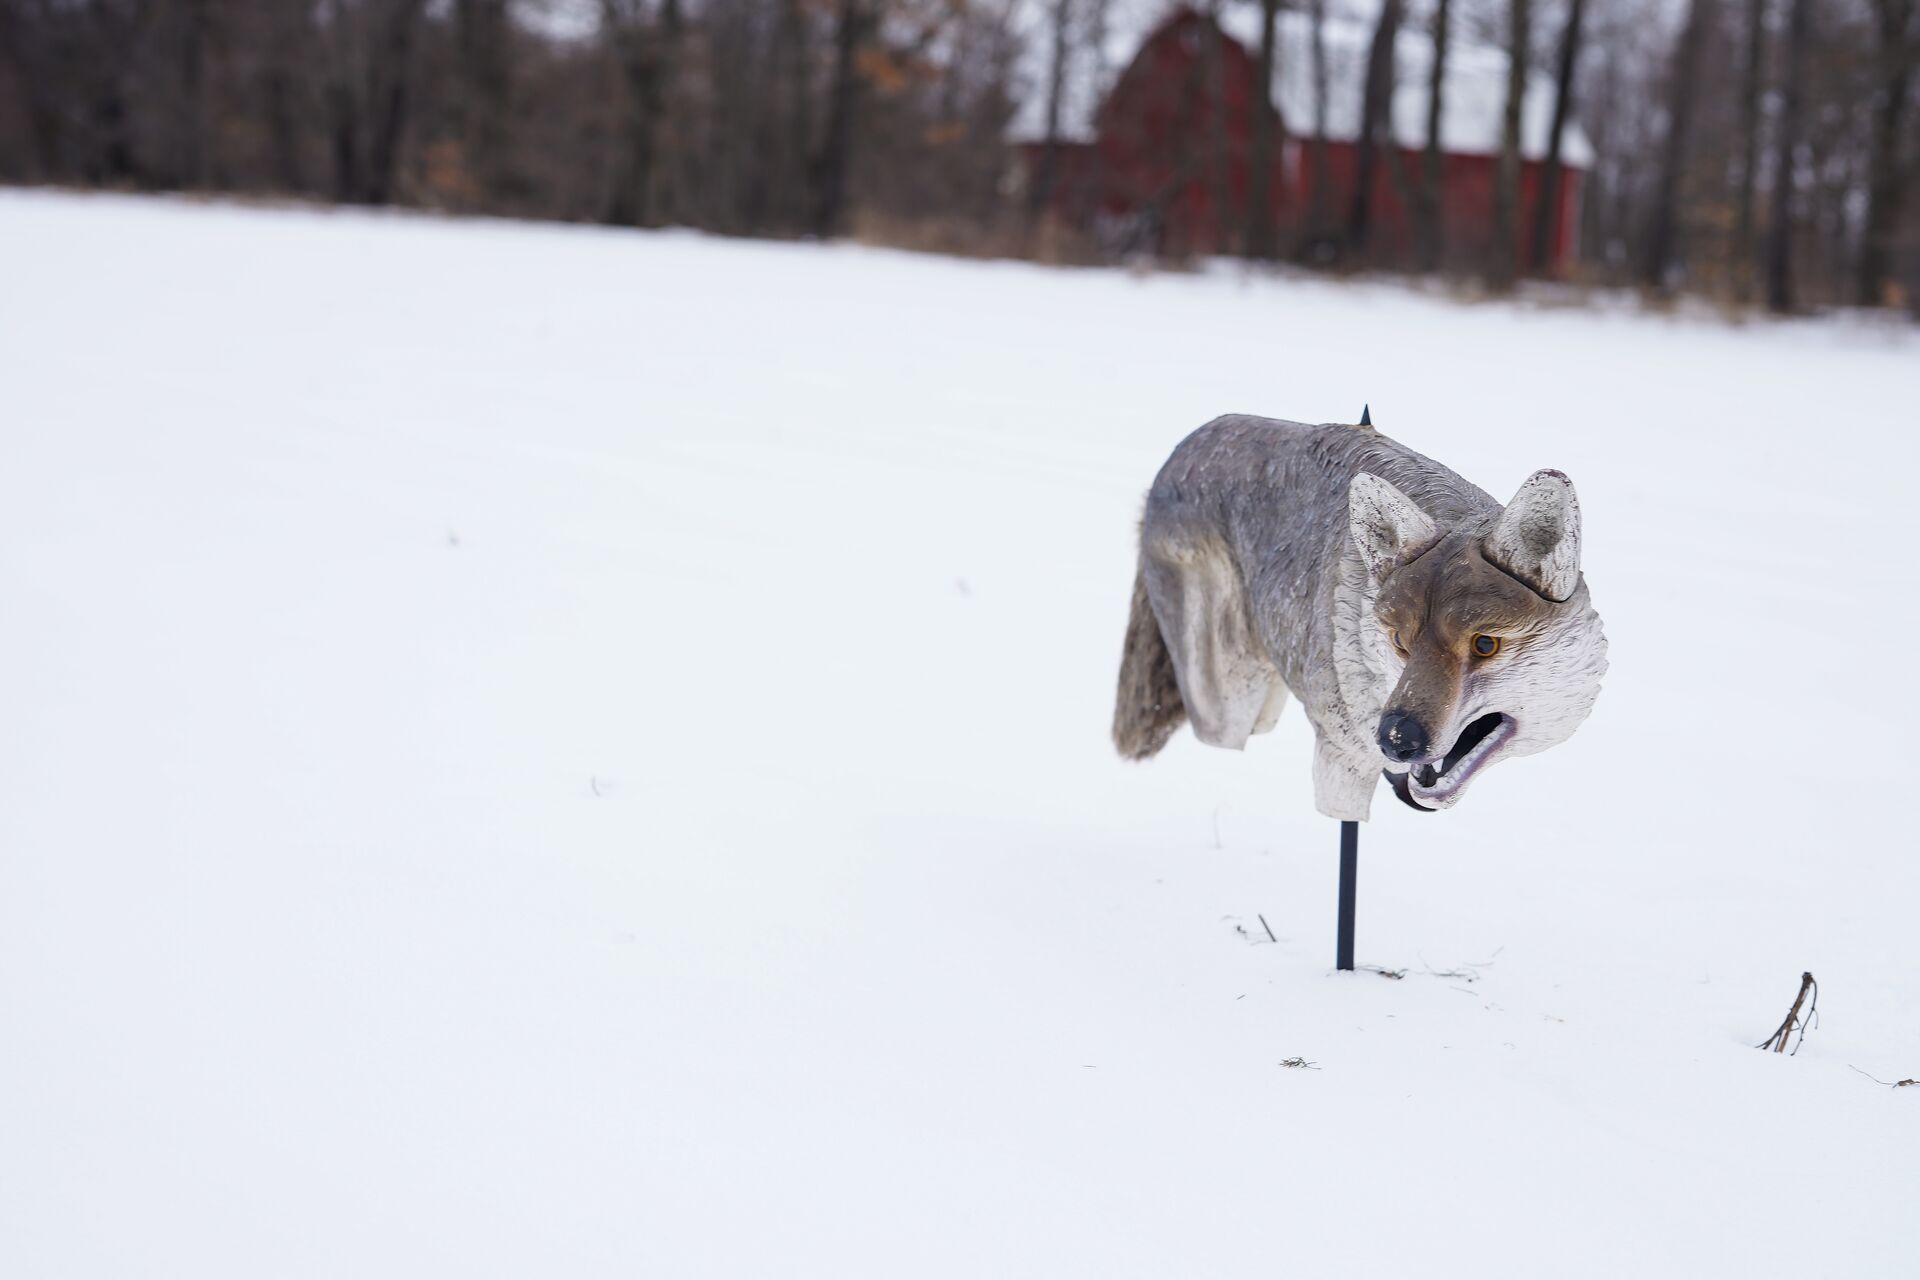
point(1366, 415)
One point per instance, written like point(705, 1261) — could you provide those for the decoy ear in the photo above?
point(1537, 539)
point(1387, 527)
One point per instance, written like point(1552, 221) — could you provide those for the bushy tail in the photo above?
point(1148, 708)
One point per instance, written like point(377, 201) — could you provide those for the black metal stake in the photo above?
point(1349, 877)
point(1349, 847)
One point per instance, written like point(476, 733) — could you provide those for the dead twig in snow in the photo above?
point(1249, 935)
point(1777, 1042)
point(1395, 974)
point(1467, 972)
point(1891, 1084)
point(1299, 1062)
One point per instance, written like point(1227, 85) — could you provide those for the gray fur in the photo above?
point(1148, 710)
point(1262, 579)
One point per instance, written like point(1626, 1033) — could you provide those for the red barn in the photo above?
point(1161, 162)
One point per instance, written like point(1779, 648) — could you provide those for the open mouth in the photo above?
point(1437, 784)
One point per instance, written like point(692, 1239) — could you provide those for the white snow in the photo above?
point(544, 751)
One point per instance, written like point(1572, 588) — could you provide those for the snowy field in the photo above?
point(551, 752)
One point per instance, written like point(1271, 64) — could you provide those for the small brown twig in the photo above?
point(1891, 1084)
point(1299, 1062)
point(1268, 928)
point(1778, 1040)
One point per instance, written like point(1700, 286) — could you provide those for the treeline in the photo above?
point(778, 117)
point(1749, 149)
point(1756, 148)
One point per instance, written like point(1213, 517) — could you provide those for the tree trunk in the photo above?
point(1433, 164)
point(287, 38)
point(194, 134)
point(1749, 145)
point(483, 29)
point(1219, 192)
point(775, 189)
point(388, 97)
point(1886, 175)
point(647, 60)
point(1096, 29)
point(1259, 240)
point(1546, 206)
point(1792, 105)
point(343, 138)
point(1318, 196)
point(1503, 254)
point(23, 45)
point(1662, 231)
point(1376, 110)
point(1043, 182)
point(661, 202)
point(831, 164)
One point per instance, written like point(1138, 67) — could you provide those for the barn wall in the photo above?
point(1170, 169)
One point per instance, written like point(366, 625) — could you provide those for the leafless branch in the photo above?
point(1777, 1042)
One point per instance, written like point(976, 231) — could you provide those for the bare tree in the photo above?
point(482, 27)
point(1682, 85)
point(790, 122)
point(27, 50)
point(1214, 46)
point(1546, 206)
point(1504, 255)
point(1319, 178)
point(831, 162)
point(1750, 80)
point(647, 46)
point(184, 32)
point(113, 28)
point(1260, 215)
point(1793, 97)
point(1887, 172)
point(1430, 209)
point(369, 79)
point(1376, 122)
point(389, 87)
point(1060, 23)
point(285, 34)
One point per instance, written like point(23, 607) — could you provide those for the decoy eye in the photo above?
point(1485, 646)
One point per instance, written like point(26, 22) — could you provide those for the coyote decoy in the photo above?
point(1427, 631)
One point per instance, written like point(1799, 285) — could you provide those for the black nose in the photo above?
point(1402, 737)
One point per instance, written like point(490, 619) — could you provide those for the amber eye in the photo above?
point(1486, 646)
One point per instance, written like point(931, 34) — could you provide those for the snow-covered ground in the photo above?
point(534, 751)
